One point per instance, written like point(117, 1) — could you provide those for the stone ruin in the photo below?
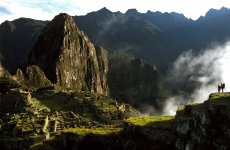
point(42, 123)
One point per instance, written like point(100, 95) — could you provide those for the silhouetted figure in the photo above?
point(222, 86)
point(219, 87)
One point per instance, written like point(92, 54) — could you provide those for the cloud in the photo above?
point(4, 10)
point(36, 9)
point(196, 75)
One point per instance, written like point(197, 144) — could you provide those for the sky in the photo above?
point(47, 9)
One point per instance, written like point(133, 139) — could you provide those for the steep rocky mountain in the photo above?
point(141, 90)
point(16, 40)
point(68, 58)
point(134, 81)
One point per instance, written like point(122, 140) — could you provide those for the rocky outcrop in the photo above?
point(68, 58)
point(204, 126)
point(33, 77)
point(102, 58)
point(30, 78)
point(6, 81)
point(3, 72)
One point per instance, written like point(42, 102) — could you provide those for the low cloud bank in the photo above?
point(196, 75)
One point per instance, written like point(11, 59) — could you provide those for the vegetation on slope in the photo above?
point(96, 131)
point(150, 120)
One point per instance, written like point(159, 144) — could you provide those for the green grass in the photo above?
point(56, 101)
point(147, 120)
point(193, 104)
point(96, 131)
point(196, 106)
point(38, 103)
point(181, 108)
point(220, 99)
point(184, 110)
point(219, 96)
point(214, 99)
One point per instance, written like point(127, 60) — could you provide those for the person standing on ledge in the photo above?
point(219, 87)
point(222, 87)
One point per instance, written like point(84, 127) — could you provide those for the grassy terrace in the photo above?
point(214, 99)
point(66, 101)
point(158, 121)
point(197, 106)
point(219, 96)
point(96, 131)
point(56, 101)
point(220, 99)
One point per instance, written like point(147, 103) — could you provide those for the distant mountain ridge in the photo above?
point(157, 37)
point(16, 40)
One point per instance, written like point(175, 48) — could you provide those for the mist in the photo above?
point(196, 75)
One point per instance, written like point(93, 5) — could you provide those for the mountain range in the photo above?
point(85, 82)
point(157, 37)
point(154, 36)
point(145, 43)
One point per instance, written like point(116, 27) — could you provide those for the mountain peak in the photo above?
point(68, 58)
point(224, 8)
point(8, 26)
point(214, 12)
point(62, 16)
point(132, 11)
point(62, 23)
point(104, 10)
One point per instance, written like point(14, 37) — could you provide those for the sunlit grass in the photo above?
point(181, 108)
point(96, 131)
point(220, 99)
point(219, 96)
point(145, 120)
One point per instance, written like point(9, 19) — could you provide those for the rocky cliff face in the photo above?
point(3, 72)
point(68, 58)
point(6, 81)
point(204, 126)
point(136, 82)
